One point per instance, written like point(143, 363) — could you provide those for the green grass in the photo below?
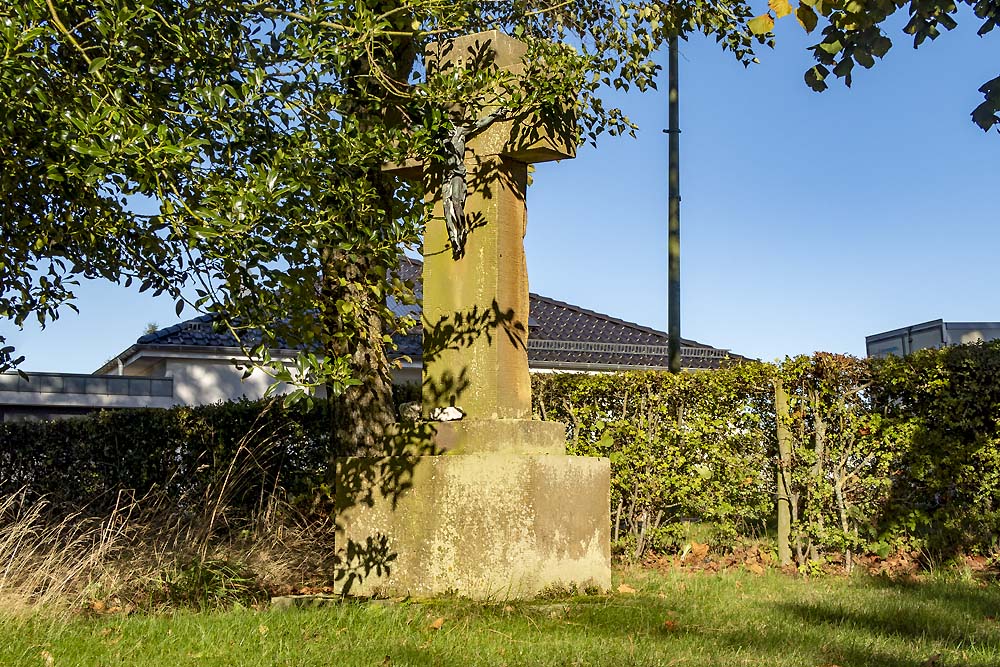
point(723, 620)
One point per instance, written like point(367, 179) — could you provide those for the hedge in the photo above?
point(885, 455)
point(689, 447)
point(177, 451)
point(882, 455)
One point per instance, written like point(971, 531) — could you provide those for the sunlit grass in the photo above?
point(675, 618)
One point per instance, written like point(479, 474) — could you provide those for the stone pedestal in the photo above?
point(485, 526)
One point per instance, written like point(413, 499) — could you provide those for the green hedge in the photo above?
point(178, 451)
point(683, 448)
point(885, 454)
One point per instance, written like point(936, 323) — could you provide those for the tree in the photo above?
point(853, 34)
point(259, 132)
point(79, 137)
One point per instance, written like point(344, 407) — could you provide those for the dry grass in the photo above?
point(197, 549)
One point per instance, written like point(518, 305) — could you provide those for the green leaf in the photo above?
point(832, 48)
point(806, 17)
point(864, 58)
point(880, 46)
point(815, 78)
point(96, 64)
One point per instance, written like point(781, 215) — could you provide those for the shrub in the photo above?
point(177, 452)
point(682, 447)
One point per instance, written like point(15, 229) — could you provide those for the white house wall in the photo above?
point(204, 381)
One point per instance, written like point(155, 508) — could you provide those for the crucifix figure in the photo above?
point(454, 184)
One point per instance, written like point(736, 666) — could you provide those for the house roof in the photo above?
point(561, 335)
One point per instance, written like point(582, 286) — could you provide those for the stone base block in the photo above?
point(485, 526)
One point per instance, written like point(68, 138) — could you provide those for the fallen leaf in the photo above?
point(931, 661)
point(262, 629)
point(669, 625)
point(387, 661)
point(625, 588)
point(438, 622)
point(48, 658)
point(508, 608)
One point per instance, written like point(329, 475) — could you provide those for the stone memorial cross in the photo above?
point(494, 508)
point(475, 299)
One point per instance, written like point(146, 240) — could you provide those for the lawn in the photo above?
point(673, 618)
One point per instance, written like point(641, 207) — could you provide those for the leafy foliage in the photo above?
point(256, 136)
point(886, 454)
point(690, 447)
point(844, 458)
point(853, 35)
point(178, 452)
point(946, 403)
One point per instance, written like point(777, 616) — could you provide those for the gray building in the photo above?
point(936, 333)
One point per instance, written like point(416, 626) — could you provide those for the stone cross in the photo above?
point(495, 508)
point(475, 303)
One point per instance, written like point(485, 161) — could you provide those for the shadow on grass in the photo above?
point(880, 623)
point(713, 622)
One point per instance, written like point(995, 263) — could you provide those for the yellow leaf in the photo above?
point(807, 17)
point(438, 622)
point(625, 588)
point(781, 8)
point(761, 25)
point(262, 629)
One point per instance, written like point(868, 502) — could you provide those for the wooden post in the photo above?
point(782, 476)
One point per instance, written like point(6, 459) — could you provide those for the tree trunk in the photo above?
point(819, 439)
point(800, 556)
point(783, 484)
point(844, 523)
point(618, 520)
point(361, 415)
point(364, 415)
point(640, 542)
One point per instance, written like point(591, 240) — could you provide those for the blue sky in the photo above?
point(808, 220)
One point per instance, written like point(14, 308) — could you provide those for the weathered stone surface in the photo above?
point(475, 315)
point(522, 139)
point(491, 526)
point(514, 436)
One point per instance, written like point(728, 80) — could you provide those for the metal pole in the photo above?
point(674, 212)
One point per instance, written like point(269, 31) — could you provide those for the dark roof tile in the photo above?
point(559, 333)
